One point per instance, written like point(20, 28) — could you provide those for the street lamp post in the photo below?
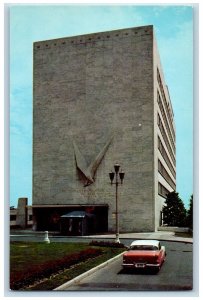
point(111, 176)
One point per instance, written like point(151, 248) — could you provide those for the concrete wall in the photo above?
point(87, 88)
point(22, 215)
point(159, 199)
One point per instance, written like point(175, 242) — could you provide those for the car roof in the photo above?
point(145, 242)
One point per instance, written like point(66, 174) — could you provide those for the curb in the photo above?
point(87, 273)
point(178, 240)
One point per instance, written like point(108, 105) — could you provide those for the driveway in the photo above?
point(175, 274)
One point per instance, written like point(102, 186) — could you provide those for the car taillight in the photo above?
point(156, 257)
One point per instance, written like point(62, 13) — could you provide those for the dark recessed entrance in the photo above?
point(49, 218)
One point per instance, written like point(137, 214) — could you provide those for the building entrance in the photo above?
point(88, 219)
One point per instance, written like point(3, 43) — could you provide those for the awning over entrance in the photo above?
point(77, 214)
point(77, 223)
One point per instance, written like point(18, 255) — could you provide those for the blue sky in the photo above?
point(30, 23)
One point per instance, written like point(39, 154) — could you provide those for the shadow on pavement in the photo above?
point(145, 271)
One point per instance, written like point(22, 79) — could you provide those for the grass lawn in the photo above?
point(26, 256)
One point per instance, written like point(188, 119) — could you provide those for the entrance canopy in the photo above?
point(77, 223)
point(77, 214)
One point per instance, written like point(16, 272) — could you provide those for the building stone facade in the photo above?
point(101, 99)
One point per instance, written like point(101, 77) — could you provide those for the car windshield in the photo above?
point(143, 247)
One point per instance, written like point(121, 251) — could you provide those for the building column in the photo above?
point(21, 217)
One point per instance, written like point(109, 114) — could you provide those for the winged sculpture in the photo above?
point(89, 171)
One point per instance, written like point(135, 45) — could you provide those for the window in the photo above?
point(12, 217)
point(165, 157)
point(163, 133)
point(165, 120)
point(165, 102)
point(165, 175)
point(162, 191)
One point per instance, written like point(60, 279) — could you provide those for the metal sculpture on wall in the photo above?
point(88, 172)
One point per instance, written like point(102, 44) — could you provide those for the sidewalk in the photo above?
point(158, 235)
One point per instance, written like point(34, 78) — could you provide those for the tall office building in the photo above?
point(101, 99)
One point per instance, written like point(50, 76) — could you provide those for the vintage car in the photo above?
point(143, 254)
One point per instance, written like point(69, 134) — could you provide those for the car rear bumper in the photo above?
point(140, 265)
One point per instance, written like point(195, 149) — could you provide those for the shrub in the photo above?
point(107, 244)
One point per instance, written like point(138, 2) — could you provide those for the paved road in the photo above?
point(175, 274)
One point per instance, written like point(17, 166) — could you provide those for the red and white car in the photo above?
point(144, 253)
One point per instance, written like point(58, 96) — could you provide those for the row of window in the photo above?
point(162, 190)
point(165, 175)
point(165, 157)
point(165, 120)
point(161, 127)
point(168, 111)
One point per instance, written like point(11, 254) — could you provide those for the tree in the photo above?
point(190, 213)
point(174, 212)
